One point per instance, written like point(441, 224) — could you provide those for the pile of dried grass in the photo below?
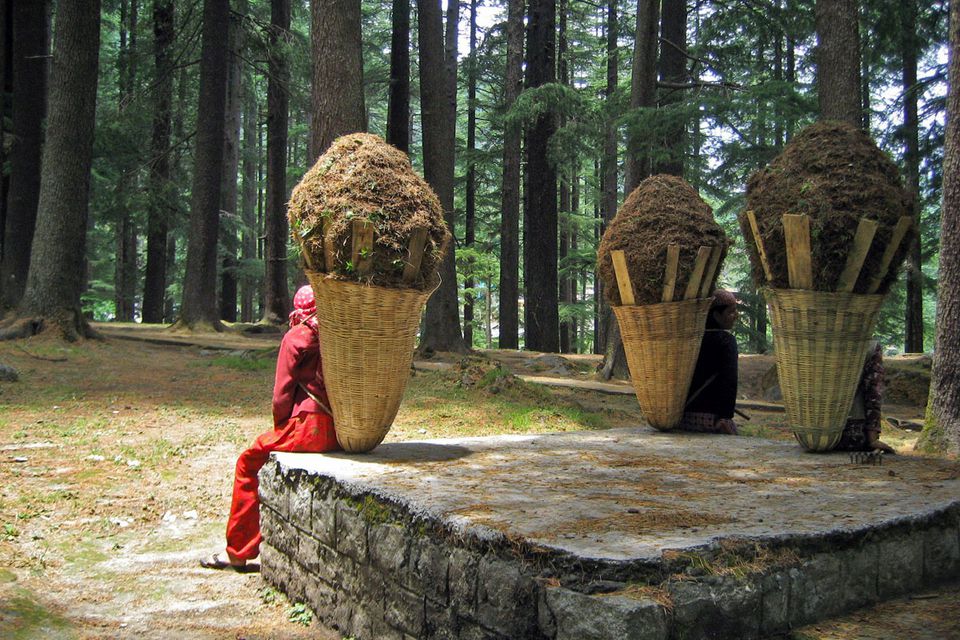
point(663, 210)
point(834, 173)
point(362, 177)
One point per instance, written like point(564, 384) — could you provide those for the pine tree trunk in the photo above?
point(438, 103)
point(398, 108)
point(911, 172)
point(248, 283)
point(199, 307)
point(470, 211)
point(337, 62)
point(276, 294)
point(55, 276)
point(838, 61)
point(942, 430)
point(563, 73)
point(541, 295)
point(615, 359)
point(125, 272)
point(31, 41)
point(509, 284)
point(673, 68)
point(643, 87)
point(231, 164)
point(155, 280)
point(6, 56)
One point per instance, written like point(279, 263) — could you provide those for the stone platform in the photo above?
point(624, 534)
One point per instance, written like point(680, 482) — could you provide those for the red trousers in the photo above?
point(306, 432)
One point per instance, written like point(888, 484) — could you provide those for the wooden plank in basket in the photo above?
point(861, 247)
point(329, 251)
point(752, 219)
point(711, 271)
point(899, 231)
point(693, 285)
point(670, 275)
point(362, 254)
point(418, 240)
point(796, 233)
point(307, 260)
point(623, 277)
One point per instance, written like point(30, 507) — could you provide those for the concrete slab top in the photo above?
point(631, 494)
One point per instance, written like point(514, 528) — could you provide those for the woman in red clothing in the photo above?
point(301, 422)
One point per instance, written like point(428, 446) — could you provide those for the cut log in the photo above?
point(861, 247)
point(693, 285)
point(362, 253)
point(418, 241)
point(670, 275)
point(623, 278)
point(752, 219)
point(899, 231)
point(796, 233)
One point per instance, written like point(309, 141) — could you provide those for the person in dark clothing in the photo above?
point(713, 391)
point(862, 430)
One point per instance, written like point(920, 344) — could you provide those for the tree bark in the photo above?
point(251, 126)
point(125, 264)
point(438, 104)
point(55, 277)
point(673, 68)
point(398, 107)
point(155, 280)
point(838, 61)
point(615, 359)
point(909, 47)
point(6, 56)
point(510, 186)
point(231, 164)
point(942, 429)
point(199, 307)
point(470, 196)
point(541, 304)
point(31, 42)
point(566, 286)
point(276, 295)
point(337, 62)
point(643, 87)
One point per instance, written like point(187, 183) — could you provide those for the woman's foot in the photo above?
point(223, 560)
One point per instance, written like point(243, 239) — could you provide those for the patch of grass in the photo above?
point(238, 363)
point(300, 613)
point(23, 618)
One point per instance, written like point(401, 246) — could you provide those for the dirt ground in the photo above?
point(116, 462)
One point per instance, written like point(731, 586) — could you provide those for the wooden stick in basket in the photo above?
point(623, 277)
point(693, 285)
point(670, 275)
point(418, 240)
point(362, 254)
point(304, 253)
point(711, 271)
point(796, 234)
point(329, 251)
point(899, 231)
point(752, 219)
point(861, 247)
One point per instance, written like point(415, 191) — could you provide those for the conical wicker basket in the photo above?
point(367, 335)
point(662, 342)
point(820, 340)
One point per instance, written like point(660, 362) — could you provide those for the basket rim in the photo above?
point(826, 294)
point(433, 282)
point(663, 305)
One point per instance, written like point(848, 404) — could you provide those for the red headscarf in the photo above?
point(304, 308)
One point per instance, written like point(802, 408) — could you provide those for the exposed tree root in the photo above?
point(198, 326)
point(68, 324)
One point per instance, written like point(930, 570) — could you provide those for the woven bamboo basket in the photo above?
point(367, 335)
point(820, 340)
point(662, 342)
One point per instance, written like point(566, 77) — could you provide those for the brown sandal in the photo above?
point(218, 562)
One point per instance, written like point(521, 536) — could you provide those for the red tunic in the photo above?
point(298, 363)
